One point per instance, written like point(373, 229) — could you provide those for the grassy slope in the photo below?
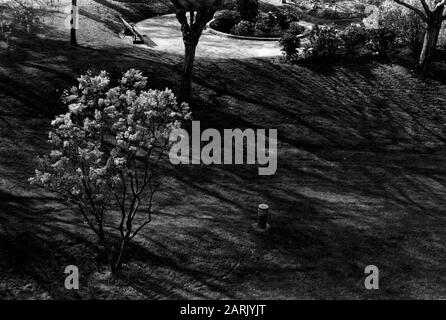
point(361, 180)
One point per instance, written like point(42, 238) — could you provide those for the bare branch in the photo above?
point(140, 228)
point(121, 206)
point(87, 220)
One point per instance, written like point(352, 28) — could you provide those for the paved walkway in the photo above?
point(165, 35)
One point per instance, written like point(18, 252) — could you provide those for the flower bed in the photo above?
point(270, 25)
point(334, 9)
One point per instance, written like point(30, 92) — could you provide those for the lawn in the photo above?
point(360, 178)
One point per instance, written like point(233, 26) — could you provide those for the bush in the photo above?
point(26, 14)
point(407, 25)
point(244, 28)
point(324, 43)
point(290, 44)
point(225, 20)
point(329, 13)
point(413, 32)
point(267, 25)
point(296, 28)
point(379, 40)
point(353, 36)
point(248, 9)
point(105, 154)
point(287, 16)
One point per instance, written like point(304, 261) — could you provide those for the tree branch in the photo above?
point(439, 4)
point(140, 228)
point(418, 11)
point(426, 7)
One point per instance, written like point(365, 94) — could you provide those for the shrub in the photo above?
point(287, 16)
point(105, 154)
point(264, 21)
point(296, 28)
point(324, 42)
point(27, 14)
point(243, 28)
point(353, 36)
point(379, 40)
point(225, 20)
point(290, 44)
point(248, 9)
point(267, 25)
point(413, 32)
point(407, 25)
point(329, 13)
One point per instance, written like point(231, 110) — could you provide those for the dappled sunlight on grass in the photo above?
point(360, 181)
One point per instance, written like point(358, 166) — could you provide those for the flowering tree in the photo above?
point(106, 151)
point(200, 13)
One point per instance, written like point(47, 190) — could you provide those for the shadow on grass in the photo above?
point(360, 181)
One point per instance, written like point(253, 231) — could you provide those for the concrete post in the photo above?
point(262, 224)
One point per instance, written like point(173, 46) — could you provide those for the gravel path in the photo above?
point(165, 35)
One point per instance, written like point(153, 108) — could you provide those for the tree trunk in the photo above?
point(74, 17)
point(192, 28)
point(430, 39)
point(429, 45)
point(185, 94)
point(117, 265)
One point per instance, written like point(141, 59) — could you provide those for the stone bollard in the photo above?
point(262, 224)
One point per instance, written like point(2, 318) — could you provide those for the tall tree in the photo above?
point(433, 15)
point(200, 13)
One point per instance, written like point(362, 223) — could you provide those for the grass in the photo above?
point(360, 178)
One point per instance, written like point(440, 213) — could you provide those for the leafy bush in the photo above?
point(353, 36)
point(105, 154)
point(225, 20)
point(248, 9)
point(407, 25)
point(267, 25)
point(296, 28)
point(329, 13)
point(290, 44)
point(324, 42)
point(27, 14)
point(244, 28)
point(290, 41)
point(379, 40)
point(287, 16)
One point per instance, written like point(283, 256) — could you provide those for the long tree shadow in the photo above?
point(360, 181)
